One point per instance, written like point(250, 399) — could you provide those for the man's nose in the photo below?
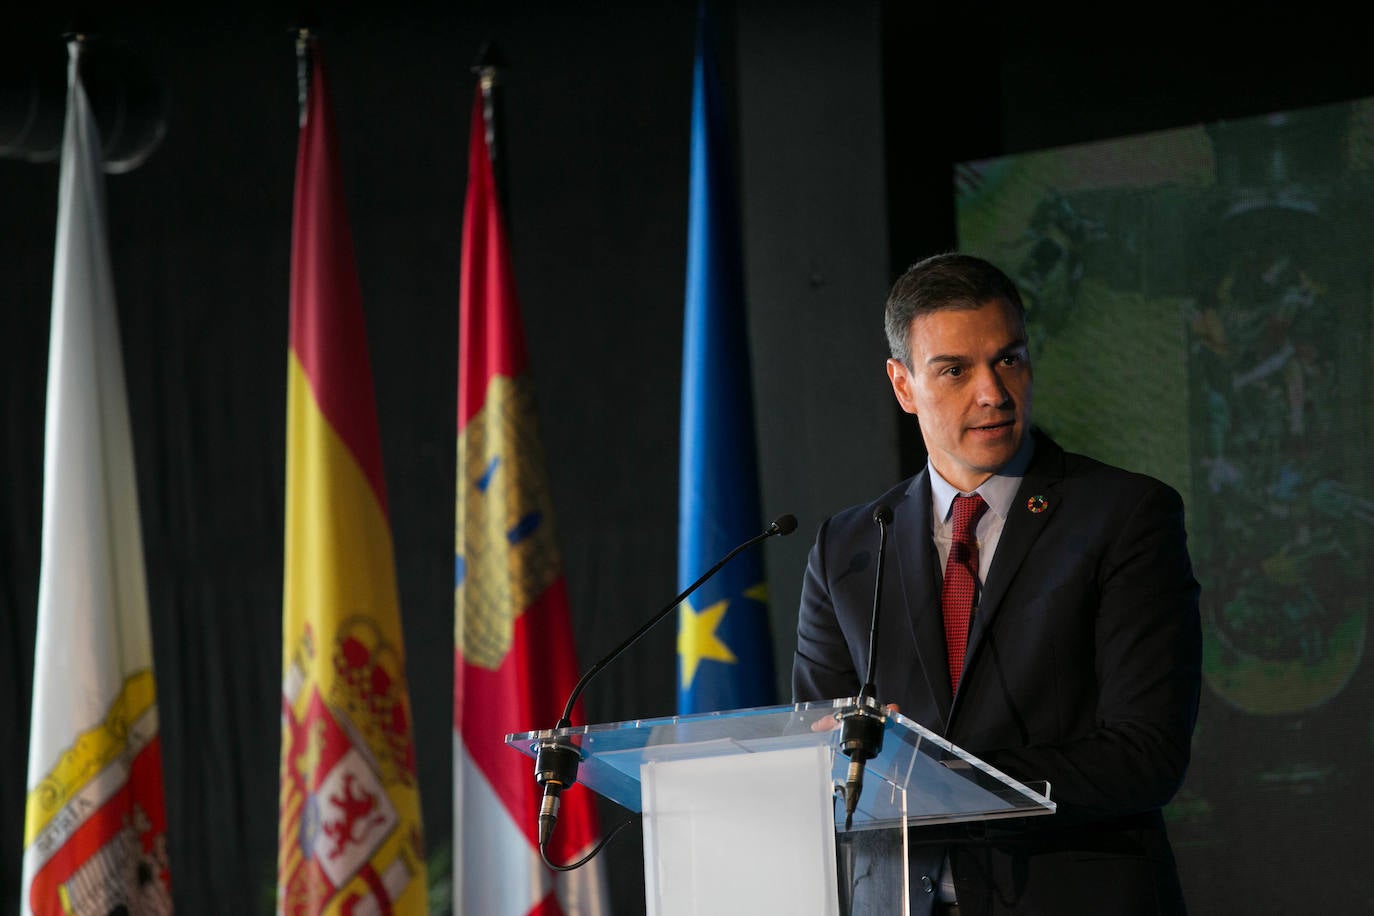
point(991, 390)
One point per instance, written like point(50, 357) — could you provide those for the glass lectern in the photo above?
point(741, 812)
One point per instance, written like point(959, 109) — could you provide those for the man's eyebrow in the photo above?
point(1016, 346)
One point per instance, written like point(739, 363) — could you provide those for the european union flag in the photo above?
point(725, 658)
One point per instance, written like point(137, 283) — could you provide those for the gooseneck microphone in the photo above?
point(882, 516)
point(556, 762)
point(861, 732)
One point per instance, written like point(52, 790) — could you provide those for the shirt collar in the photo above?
point(998, 491)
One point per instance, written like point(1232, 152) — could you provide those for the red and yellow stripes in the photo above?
point(350, 807)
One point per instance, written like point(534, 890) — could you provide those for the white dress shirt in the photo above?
point(998, 491)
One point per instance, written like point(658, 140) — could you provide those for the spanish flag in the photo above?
point(350, 835)
point(514, 667)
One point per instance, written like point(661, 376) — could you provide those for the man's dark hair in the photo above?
point(943, 281)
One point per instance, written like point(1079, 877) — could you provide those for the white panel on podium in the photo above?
point(747, 834)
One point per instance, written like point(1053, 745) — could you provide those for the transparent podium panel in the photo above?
point(871, 872)
point(728, 789)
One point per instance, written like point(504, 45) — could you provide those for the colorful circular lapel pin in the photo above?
point(1037, 504)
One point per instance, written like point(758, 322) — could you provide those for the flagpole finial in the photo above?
point(305, 36)
point(487, 65)
point(124, 96)
point(76, 42)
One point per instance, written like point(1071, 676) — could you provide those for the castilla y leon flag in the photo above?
point(350, 837)
point(514, 665)
point(725, 658)
point(94, 823)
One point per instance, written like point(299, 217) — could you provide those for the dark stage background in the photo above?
point(850, 119)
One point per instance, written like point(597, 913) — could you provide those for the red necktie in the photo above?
point(961, 578)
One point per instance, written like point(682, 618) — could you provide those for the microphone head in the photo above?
point(783, 524)
point(882, 515)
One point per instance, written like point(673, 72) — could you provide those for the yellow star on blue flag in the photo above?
point(697, 639)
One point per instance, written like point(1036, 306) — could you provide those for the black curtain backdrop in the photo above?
point(849, 119)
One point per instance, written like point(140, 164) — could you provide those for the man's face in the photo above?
point(969, 385)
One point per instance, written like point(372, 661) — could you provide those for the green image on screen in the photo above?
point(1199, 308)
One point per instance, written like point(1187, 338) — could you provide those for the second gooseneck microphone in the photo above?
point(556, 762)
point(861, 732)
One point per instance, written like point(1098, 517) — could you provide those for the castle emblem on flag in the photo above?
point(503, 495)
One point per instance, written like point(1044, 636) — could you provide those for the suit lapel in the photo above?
point(915, 585)
point(1037, 500)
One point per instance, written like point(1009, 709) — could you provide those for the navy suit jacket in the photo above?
point(1083, 669)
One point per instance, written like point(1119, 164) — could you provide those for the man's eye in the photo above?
point(1012, 360)
point(954, 371)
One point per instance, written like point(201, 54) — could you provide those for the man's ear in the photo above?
point(900, 376)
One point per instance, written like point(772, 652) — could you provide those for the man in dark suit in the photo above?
point(1081, 655)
